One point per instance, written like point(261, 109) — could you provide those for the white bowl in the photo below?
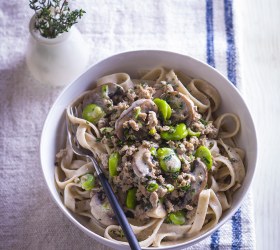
point(54, 133)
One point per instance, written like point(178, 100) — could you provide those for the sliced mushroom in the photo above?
point(101, 209)
point(182, 106)
point(157, 212)
point(139, 164)
point(104, 100)
point(200, 174)
point(145, 105)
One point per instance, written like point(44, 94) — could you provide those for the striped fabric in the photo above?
point(236, 233)
point(203, 29)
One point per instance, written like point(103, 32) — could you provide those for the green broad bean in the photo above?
point(177, 218)
point(131, 198)
point(93, 113)
point(178, 133)
point(88, 181)
point(164, 108)
point(153, 151)
point(114, 160)
point(170, 188)
point(105, 91)
point(205, 155)
point(152, 186)
point(152, 131)
point(192, 133)
point(168, 160)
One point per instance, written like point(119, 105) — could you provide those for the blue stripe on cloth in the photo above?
point(231, 51)
point(210, 33)
point(215, 237)
point(231, 69)
point(236, 230)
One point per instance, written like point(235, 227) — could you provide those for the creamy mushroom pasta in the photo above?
point(169, 155)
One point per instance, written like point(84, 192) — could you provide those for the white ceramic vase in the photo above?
point(56, 61)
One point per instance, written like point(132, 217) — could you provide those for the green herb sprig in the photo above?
point(53, 17)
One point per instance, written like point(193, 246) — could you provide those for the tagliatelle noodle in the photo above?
point(224, 178)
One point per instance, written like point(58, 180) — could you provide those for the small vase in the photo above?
point(56, 61)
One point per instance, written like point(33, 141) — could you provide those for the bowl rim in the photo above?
point(111, 243)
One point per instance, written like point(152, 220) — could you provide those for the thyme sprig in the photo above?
point(53, 17)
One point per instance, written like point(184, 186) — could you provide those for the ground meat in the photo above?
point(161, 179)
point(118, 109)
point(164, 128)
point(189, 146)
point(169, 206)
point(164, 86)
point(154, 199)
point(128, 150)
point(161, 191)
point(152, 120)
point(194, 140)
point(198, 126)
point(125, 178)
point(103, 122)
point(142, 191)
point(131, 95)
point(142, 116)
point(171, 144)
point(133, 125)
point(181, 149)
point(210, 130)
point(157, 136)
point(183, 180)
point(139, 213)
point(144, 92)
point(186, 167)
point(146, 144)
point(174, 194)
point(104, 160)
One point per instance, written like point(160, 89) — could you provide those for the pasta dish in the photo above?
point(168, 153)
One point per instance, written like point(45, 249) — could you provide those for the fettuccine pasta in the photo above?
point(169, 155)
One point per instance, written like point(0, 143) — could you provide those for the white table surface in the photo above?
point(259, 35)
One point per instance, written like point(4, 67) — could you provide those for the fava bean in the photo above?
point(93, 113)
point(153, 151)
point(170, 188)
point(152, 186)
point(205, 155)
point(168, 160)
point(152, 131)
point(131, 198)
point(88, 182)
point(114, 160)
point(178, 133)
point(164, 108)
point(192, 133)
point(105, 91)
point(177, 218)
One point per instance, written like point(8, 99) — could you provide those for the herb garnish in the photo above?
point(54, 17)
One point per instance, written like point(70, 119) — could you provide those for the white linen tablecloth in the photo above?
point(29, 217)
